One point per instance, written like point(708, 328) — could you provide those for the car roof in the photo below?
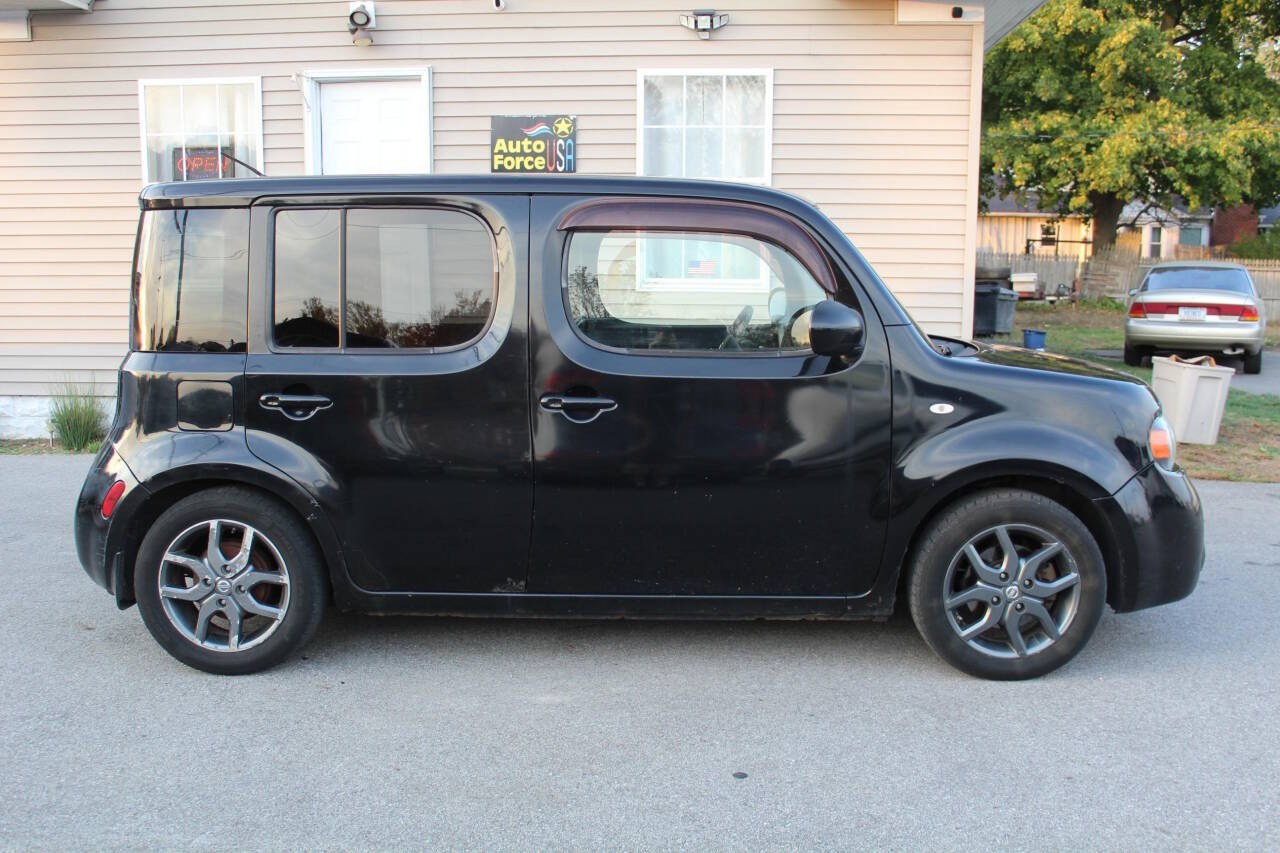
point(238, 192)
point(1226, 265)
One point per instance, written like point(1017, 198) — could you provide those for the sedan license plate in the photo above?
point(1191, 312)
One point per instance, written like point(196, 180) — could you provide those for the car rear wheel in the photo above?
point(1253, 363)
point(1133, 356)
point(229, 581)
point(1007, 584)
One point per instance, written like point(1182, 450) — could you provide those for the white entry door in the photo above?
point(373, 127)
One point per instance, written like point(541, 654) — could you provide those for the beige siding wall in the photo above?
point(1009, 234)
point(873, 121)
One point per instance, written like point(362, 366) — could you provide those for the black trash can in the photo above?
point(993, 306)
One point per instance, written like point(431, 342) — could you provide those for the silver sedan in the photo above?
point(1196, 306)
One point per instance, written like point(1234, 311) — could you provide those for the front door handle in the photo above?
point(295, 407)
point(580, 410)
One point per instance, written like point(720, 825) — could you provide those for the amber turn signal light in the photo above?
point(1162, 443)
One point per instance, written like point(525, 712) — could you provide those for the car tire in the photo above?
point(964, 612)
point(1253, 362)
point(1132, 356)
point(191, 595)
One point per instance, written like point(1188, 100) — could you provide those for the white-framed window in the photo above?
point(705, 123)
point(1155, 235)
point(200, 129)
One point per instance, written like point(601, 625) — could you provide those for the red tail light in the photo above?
point(1136, 310)
point(1249, 314)
point(113, 497)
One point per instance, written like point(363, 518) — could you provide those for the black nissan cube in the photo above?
point(597, 397)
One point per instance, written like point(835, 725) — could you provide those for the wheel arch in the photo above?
point(163, 491)
point(1076, 493)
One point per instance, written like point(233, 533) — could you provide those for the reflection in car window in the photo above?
point(688, 291)
point(1199, 278)
point(415, 278)
point(192, 281)
point(307, 274)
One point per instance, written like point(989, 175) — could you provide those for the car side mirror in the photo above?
point(1133, 291)
point(835, 329)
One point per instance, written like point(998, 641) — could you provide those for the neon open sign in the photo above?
point(201, 163)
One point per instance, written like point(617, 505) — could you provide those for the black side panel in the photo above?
point(421, 460)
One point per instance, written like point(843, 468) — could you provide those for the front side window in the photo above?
point(201, 129)
point(191, 282)
point(415, 278)
point(685, 291)
point(706, 124)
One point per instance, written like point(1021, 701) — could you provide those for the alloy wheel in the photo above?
point(1011, 591)
point(222, 602)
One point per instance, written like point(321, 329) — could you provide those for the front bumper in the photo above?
point(1158, 528)
point(98, 539)
point(1193, 335)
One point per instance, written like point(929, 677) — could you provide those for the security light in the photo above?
point(703, 22)
point(360, 20)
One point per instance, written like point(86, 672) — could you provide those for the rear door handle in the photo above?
point(295, 407)
point(580, 410)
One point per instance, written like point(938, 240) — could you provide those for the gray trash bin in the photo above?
point(993, 306)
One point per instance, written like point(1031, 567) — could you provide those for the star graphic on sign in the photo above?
point(562, 126)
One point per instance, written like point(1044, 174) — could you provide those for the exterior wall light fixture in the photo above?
point(360, 19)
point(703, 22)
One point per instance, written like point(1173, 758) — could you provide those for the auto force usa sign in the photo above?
point(533, 144)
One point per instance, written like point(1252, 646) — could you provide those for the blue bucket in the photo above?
point(1034, 338)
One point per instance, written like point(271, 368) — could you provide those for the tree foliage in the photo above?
point(1093, 103)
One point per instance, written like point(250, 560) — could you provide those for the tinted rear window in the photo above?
point(1199, 278)
point(308, 273)
point(415, 278)
point(191, 283)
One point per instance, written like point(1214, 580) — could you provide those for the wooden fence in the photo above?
point(1266, 274)
point(1053, 271)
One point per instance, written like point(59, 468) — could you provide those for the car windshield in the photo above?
point(1199, 278)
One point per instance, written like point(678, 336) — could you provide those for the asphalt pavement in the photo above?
point(1266, 382)
point(400, 733)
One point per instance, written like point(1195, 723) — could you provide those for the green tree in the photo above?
point(1093, 103)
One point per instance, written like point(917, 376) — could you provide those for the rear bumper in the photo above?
point(98, 539)
point(1159, 532)
point(1174, 334)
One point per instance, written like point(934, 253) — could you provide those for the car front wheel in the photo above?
point(1007, 584)
point(229, 581)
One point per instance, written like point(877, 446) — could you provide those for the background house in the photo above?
point(1162, 230)
point(1268, 217)
point(869, 108)
point(1008, 226)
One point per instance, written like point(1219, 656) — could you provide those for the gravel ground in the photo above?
point(415, 733)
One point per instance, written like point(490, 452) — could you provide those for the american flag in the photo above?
point(706, 266)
